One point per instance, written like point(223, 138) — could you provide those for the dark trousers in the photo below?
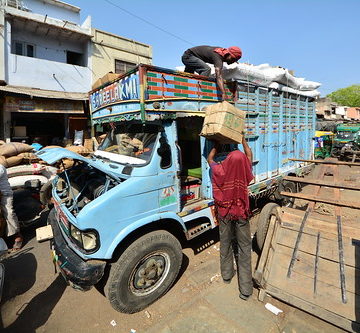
point(194, 64)
point(238, 230)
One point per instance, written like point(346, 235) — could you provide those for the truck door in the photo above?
point(169, 194)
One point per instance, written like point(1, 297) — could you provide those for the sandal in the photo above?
point(17, 244)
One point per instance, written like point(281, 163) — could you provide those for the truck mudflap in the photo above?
point(80, 274)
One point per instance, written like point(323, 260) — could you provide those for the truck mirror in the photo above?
point(164, 152)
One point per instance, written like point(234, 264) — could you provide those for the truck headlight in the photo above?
point(75, 233)
point(88, 240)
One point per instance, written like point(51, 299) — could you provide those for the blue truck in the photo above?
point(120, 217)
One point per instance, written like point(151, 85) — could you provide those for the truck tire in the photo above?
point(288, 187)
point(265, 215)
point(335, 152)
point(144, 272)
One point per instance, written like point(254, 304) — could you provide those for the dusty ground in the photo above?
point(36, 299)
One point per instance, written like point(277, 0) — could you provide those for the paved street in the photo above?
point(37, 300)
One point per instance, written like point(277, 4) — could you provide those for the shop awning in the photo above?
point(34, 92)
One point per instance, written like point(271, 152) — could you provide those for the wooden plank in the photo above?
point(258, 274)
point(350, 204)
point(328, 249)
point(350, 229)
point(287, 212)
point(304, 305)
point(340, 238)
point(270, 256)
point(325, 162)
point(328, 270)
point(309, 209)
point(322, 183)
point(301, 286)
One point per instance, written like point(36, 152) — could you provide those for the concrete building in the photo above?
point(326, 109)
point(116, 54)
point(353, 113)
point(48, 62)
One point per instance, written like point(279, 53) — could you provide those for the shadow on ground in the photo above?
point(35, 314)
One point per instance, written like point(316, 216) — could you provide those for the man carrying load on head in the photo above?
point(196, 58)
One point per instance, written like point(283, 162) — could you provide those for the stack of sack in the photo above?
point(18, 159)
point(265, 75)
point(19, 174)
point(83, 150)
point(273, 77)
point(13, 153)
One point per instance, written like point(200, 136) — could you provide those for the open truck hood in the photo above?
point(52, 155)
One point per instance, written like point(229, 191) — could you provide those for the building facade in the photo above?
point(48, 62)
point(325, 108)
point(116, 54)
point(353, 113)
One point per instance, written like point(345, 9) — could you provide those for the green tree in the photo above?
point(349, 96)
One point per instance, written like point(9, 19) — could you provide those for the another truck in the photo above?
point(122, 216)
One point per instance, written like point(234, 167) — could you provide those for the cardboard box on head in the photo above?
point(224, 123)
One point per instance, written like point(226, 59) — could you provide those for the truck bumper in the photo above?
point(80, 274)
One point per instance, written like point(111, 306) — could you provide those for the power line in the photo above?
point(148, 22)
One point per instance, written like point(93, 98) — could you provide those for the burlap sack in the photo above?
point(29, 156)
point(224, 123)
point(67, 163)
point(89, 145)
point(3, 161)
point(14, 148)
point(13, 160)
point(78, 149)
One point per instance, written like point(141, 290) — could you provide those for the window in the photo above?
point(74, 58)
point(19, 48)
point(24, 49)
point(30, 50)
point(122, 67)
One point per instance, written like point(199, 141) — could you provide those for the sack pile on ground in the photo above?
point(11, 153)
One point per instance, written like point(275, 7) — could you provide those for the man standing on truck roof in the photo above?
point(195, 60)
point(230, 179)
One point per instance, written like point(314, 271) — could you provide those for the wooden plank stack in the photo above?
point(312, 261)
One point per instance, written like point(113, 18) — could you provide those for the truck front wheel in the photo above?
point(144, 272)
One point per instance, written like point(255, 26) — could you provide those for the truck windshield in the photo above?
point(345, 135)
point(129, 143)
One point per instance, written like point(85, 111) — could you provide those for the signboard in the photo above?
point(23, 104)
point(123, 90)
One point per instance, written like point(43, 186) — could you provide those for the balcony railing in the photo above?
point(18, 4)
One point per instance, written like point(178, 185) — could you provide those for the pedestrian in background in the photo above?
point(230, 179)
point(7, 209)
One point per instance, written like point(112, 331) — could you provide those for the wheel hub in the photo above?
point(149, 272)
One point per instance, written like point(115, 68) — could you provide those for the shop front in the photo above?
point(50, 120)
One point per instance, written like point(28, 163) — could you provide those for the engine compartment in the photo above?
point(80, 184)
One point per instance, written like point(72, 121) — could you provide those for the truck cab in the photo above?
point(121, 216)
